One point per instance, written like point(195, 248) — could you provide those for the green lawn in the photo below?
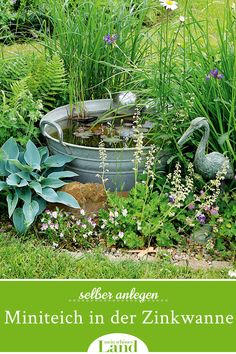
point(31, 259)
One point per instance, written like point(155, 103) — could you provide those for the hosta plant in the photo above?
point(28, 180)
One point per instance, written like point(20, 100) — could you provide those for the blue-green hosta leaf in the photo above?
point(44, 153)
point(58, 160)
point(62, 174)
point(30, 211)
point(21, 158)
point(52, 183)
point(10, 149)
point(36, 186)
point(24, 175)
point(12, 201)
point(3, 171)
point(16, 181)
point(3, 185)
point(67, 199)
point(42, 204)
point(20, 166)
point(11, 168)
point(32, 156)
point(49, 195)
point(19, 221)
point(24, 194)
point(36, 176)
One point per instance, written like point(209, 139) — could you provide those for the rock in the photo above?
point(90, 196)
point(202, 235)
point(197, 265)
point(182, 263)
point(221, 264)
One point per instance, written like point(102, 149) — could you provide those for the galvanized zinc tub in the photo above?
point(120, 175)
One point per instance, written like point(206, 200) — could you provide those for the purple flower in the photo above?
point(214, 211)
point(110, 39)
point(171, 199)
point(215, 74)
point(191, 206)
point(202, 219)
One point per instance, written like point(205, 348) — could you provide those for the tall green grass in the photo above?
point(177, 80)
point(214, 99)
point(95, 68)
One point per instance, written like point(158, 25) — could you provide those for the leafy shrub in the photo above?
point(19, 115)
point(30, 85)
point(13, 69)
point(29, 180)
point(45, 79)
point(63, 229)
point(165, 217)
point(136, 221)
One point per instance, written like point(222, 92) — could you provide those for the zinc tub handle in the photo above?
point(54, 125)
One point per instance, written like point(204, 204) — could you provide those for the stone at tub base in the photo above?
point(90, 196)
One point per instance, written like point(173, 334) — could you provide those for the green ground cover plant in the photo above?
point(62, 229)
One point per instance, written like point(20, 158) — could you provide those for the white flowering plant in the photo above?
point(166, 216)
point(65, 230)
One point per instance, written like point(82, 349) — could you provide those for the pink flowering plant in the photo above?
point(63, 229)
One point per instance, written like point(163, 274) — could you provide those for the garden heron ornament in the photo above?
point(206, 165)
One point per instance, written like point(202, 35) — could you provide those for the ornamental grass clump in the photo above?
point(208, 72)
point(193, 75)
point(99, 44)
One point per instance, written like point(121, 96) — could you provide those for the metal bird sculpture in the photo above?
point(206, 165)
